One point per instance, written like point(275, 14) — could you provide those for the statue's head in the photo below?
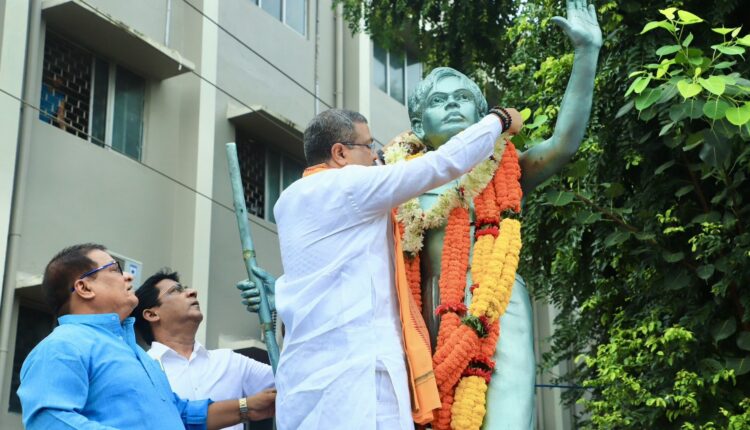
point(443, 104)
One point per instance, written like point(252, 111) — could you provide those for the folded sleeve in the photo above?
point(193, 413)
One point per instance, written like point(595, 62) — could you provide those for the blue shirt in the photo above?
point(90, 374)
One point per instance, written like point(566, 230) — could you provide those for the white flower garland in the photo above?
point(415, 220)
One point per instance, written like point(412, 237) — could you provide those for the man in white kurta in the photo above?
point(343, 365)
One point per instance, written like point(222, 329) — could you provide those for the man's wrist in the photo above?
point(244, 409)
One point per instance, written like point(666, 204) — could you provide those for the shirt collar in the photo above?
point(110, 322)
point(158, 350)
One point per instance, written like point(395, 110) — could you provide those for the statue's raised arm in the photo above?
point(546, 159)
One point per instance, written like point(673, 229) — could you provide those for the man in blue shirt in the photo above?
point(90, 374)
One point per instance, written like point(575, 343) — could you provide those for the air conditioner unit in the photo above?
point(129, 265)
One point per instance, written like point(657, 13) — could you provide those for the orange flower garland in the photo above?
point(467, 338)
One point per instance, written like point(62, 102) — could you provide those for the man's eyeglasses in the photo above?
point(366, 145)
point(175, 289)
point(114, 264)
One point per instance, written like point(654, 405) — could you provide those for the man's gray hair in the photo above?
point(327, 128)
point(419, 96)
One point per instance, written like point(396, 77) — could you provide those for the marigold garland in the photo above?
point(461, 361)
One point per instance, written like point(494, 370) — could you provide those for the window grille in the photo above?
point(66, 83)
point(252, 160)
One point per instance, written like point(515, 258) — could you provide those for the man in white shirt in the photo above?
point(349, 359)
point(167, 317)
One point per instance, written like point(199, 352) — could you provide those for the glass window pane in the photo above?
point(292, 171)
point(99, 102)
point(379, 64)
point(127, 120)
point(273, 7)
point(273, 182)
point(396, 71)
point(296, 14)
point(413, 74)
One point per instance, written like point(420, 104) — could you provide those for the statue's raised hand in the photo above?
point(581, 25)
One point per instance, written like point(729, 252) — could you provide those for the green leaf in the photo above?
point(687, 40)
point(665, 129)
point(736, 115)
point(724, 65)
point(613, 190)
point(705, 272)
point(711, 365)
point(668, 12)
point(736, 31)
point(723, 329)
point(740, 365)
point(672, 257)
point(616, 238)
point(743, 340)
point(559, 198)
point(716, 108)
point(647, 98)
point(641, 83)
point(683, 190)
point(693, 141)
point(659, 170)
point(676, 282)
point(688, 89)
point(627, 107)
point(745, 40)
point(538, 120)
point(688, 18)
point(713, 84)
point(729, 50)
point(716, 150)
point(525, 114)
point(722, 30)
point(588, 217)
point(666, 50)
point(636, 73)
point(658, 24)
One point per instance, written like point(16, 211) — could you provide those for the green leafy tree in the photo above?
point(642, 241)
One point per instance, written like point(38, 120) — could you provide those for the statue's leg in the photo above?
point(510, 397)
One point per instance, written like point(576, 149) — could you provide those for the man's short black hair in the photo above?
point(327, 128)
point(63, 271)
point(148, 297)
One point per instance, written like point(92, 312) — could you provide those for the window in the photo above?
point(92, 98)
point(265, 174)
point(395, 74)
point(33, 326)
point(291, 12)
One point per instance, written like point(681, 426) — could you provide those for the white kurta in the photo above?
point(337, 295)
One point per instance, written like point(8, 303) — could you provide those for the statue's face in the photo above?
point(450, 108)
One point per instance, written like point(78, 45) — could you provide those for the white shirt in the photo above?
point(218, 374)
point(337, 295)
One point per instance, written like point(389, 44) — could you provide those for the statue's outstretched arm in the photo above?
point(544, 160)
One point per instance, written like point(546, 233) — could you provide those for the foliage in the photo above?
point(642, 242)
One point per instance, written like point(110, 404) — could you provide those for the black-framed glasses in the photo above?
point(366, 145)
point(98, 269)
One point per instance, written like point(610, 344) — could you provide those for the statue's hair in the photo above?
point(419, 95)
